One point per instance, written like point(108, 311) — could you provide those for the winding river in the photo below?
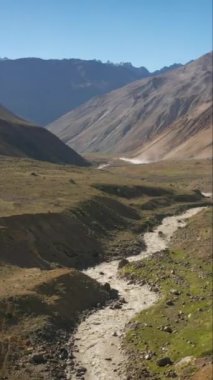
point(98, 337)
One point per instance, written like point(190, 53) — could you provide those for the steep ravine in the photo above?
point(98, 355)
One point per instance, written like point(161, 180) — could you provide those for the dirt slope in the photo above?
point(38, 311)
point(165, 116)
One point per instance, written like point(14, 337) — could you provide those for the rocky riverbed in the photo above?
point(97, 341)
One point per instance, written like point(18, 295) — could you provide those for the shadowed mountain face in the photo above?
point(19, 138)
point(167, 116)
point(42, 90)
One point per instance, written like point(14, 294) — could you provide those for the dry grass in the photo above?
point(54, 188)
point(16, 281)
point(51, 214)
point(32, 300)
point(183, 175)
point(71, 216)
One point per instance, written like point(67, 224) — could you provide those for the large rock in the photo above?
point(107, 287)
point(122, 263)
point(38, 359)
point(164, 361)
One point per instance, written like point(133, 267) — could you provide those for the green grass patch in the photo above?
point(185, 306)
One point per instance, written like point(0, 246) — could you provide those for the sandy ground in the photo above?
point(98, 338)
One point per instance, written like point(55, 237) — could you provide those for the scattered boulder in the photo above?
point(80, 372)
point(148, 356)
point(63, 354)
point(167, 329)
point(169, 303)
point(161, 234)
point(38, 359)
point(171, 374)
point(175, 292)
point(122, 263)
point(116, 305)
point(185, 361)
point(107, 287)
point(164, 361)
point(154, 288)
point(180, 313)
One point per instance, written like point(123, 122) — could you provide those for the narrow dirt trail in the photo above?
point(98, 338)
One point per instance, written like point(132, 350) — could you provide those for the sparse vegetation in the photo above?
point(38, 311)
point(62, 216)
point(180, 324)
point(48, 221)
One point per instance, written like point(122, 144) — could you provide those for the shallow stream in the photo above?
point(98, 337)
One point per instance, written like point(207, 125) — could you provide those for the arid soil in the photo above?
point(168, 116)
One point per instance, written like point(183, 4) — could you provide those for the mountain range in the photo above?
point(168, 115)
point(43, 90)
point(19, 138)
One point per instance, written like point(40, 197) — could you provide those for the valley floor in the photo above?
point(55, 218)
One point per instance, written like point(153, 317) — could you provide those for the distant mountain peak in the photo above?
point(164, 69)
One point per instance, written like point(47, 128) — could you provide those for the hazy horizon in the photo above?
point(99, 60)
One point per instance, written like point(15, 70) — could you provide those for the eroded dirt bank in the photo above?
point(98, 354)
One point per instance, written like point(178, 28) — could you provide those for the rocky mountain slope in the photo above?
point(43, 90)
point(166, 116)
point(21, 139)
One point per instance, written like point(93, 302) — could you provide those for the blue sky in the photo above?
point(150, 33)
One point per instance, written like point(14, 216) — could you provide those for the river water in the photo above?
point(98, 337)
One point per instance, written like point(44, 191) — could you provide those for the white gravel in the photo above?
point(98, 338)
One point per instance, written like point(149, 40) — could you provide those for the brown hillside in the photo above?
point(21, 139)
point(160, 117)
